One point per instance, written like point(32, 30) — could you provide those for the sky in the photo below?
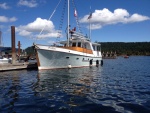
point(42, 21)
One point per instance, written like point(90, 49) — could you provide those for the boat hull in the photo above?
point(49, 59)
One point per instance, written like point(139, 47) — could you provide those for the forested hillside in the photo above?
point(129, 48)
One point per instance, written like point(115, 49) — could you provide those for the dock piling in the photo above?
point(13, 44)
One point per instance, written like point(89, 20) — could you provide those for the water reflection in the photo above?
point(9, 88)
point(13, 86)
point(66, 86)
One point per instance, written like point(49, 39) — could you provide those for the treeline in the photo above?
point(121, 48)
point(128, 48)
point(30, 50)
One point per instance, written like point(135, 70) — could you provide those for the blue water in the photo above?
point(119, 86)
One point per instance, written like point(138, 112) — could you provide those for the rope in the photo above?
point(62, 19)
point(50, 17)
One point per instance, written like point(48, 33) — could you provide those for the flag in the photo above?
point(75, 13)
point(90, 16)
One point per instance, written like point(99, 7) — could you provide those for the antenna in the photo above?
point(90, 16)
point(0, 38)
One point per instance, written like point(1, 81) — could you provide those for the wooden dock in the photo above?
point(17, 66)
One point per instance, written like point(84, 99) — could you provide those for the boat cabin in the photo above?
point(81, 43)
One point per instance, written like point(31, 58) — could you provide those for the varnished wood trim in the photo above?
point(79, 49)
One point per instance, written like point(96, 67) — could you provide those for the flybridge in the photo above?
point(77, 35)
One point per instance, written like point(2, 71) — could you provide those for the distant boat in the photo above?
point(76, 51)
point(126, 56)
point(5, 60)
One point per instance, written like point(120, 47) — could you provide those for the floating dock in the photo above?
point(17, 66)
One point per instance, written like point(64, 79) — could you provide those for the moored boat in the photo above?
point(5, 60)
point(76, 51)
point(126, 56)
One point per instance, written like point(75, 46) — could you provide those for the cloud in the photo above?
point(24, 33)
point(105, 17)
point(34, 28)
point(4, 6)
point(7, 19)
point(28, 3)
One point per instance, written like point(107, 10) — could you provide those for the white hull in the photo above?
point(55, 58)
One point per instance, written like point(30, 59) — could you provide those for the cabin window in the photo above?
point(70, 44)
point(93, 47)
point(88, 46)
point(84, 45)
point(73, 44)
point(79, 44)
point(98, 48)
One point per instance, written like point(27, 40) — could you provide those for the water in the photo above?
point(121, 85)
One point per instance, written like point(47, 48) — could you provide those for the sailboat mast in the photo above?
point(68, 24)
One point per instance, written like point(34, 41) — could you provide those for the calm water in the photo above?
point(121, 85)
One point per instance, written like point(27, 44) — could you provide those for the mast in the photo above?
point(68, 25)
point(90, 16)
point(90, 29)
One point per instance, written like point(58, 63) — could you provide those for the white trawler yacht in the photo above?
point(76, 51)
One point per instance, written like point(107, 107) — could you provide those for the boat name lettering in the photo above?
point(52, 47)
